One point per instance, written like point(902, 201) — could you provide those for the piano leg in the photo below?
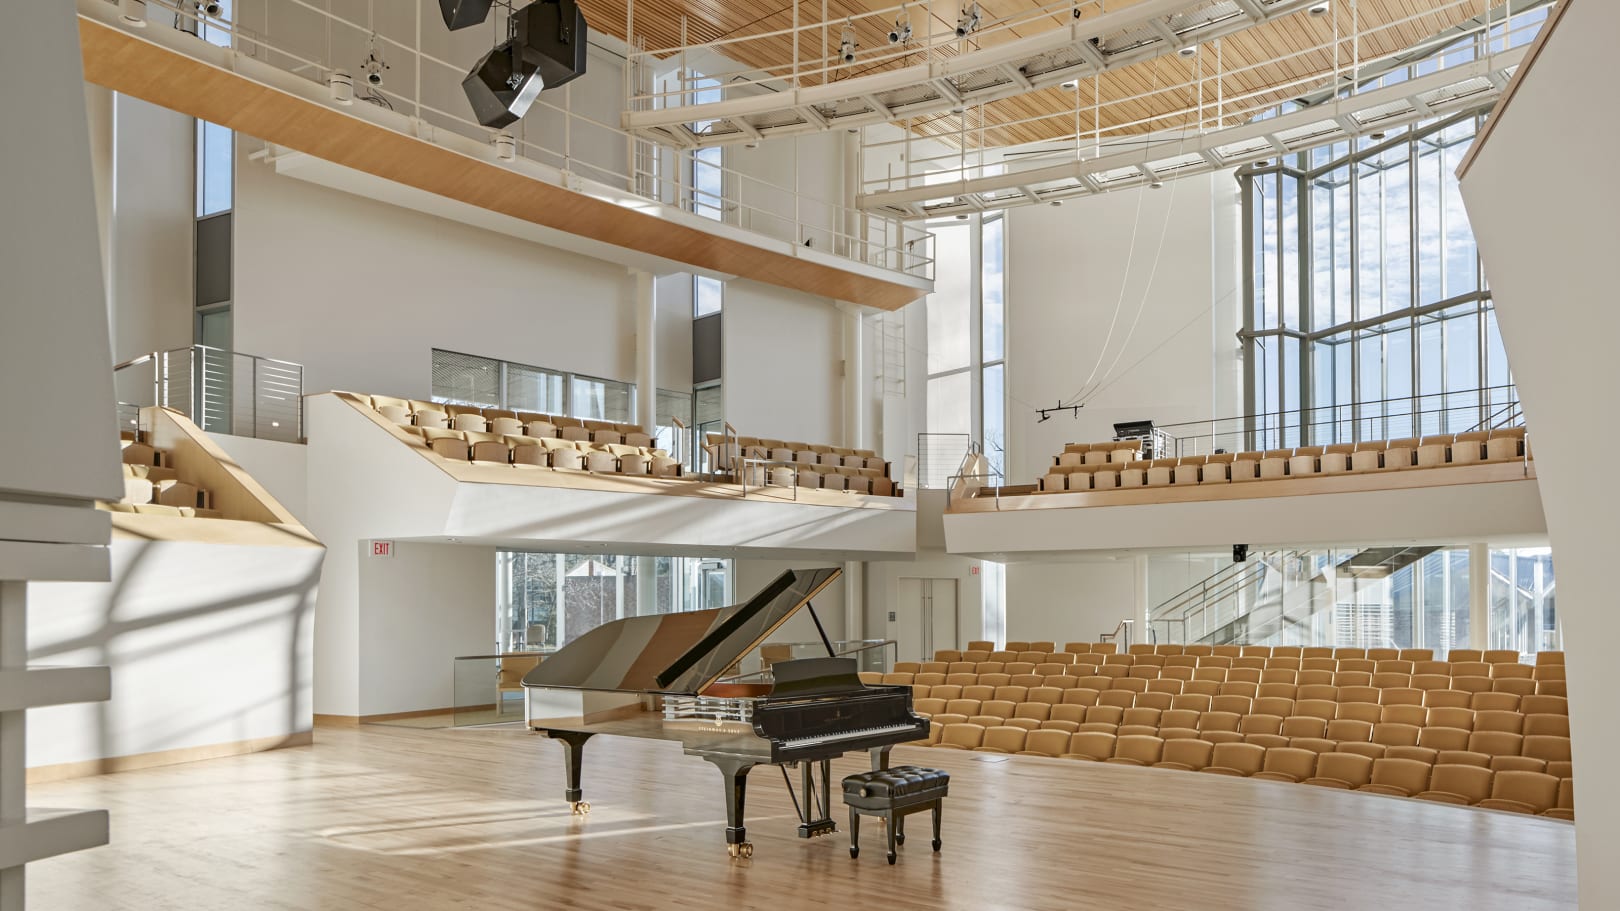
point(573, 759)
point(736, 773)
point(880, 757)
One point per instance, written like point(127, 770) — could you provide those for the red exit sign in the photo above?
point(382, 548)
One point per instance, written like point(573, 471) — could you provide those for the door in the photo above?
point(923, 618)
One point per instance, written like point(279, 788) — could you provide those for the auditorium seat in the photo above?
point(1465, 785)
point(1347, 771)
point(1522, 792)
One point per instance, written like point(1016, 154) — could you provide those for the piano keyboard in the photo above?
point(792, 743)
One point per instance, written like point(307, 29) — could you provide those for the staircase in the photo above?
point(1284, 597)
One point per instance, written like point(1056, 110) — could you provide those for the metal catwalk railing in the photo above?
point(220, 391)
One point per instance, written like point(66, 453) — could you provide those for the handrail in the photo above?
point(745, 461)
point(1215, 580)
point(1124, 626)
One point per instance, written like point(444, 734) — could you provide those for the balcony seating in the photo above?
point(1094, 466)
point(153, 487)
point(1494, 750)
point(817, 466)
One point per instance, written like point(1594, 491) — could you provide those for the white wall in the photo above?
point(153, 228)
point(749, 576)
point(283, 468)
point(419, 610)
point(360, 292)
point(1152, 256)
point(1071, 601)
point(883, 590)
point(208, 644)
point(780, 364)
point(1547, 236)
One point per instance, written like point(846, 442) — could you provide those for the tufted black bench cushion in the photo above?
point(897, 783)
point(892, 794)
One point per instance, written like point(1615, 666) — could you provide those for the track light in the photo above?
point(374, 65)
point(846, 44)
point(901, 33)
point(342, 86)
point(969, 22)
point(133, 11)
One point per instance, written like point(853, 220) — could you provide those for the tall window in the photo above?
point(1368, 316)
point(708, 295)
point(967, 371)
point(708, 174)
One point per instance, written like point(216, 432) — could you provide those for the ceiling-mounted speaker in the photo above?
point(464, 13)
point(502, 86)
point(553, 36)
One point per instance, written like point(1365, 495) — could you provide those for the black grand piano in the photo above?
point(612, 680)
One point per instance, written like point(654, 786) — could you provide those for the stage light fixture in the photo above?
point(969, 21)
point(546, 50)
point(901, 33)
point(846, 44)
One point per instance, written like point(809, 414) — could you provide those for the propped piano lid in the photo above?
point(678, 653)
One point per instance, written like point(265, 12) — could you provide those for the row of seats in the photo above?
point(503, 422)
point(1460, 783)
point(152, 486)
point(1350, 671)
point(548, 452)
point(724, 454)
point(1073, 471)
point(985, 651)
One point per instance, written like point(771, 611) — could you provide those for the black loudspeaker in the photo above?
point(1240, 553)
point(502, 86)
point(464, 13)
point(553, 36)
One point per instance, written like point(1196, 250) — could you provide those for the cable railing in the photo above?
point(939, 458)
point(1463, 411)
point(1215, 602)
point(581, 147)
point(220, 391)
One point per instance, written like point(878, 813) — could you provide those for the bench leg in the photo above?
point(938, 806)
point(893, 823)
point(900, 829)
point(854, 832)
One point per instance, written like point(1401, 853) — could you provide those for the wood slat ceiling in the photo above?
point(658, 24)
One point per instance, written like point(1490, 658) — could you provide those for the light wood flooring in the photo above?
point(394, 817)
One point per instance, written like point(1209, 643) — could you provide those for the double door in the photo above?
point(923, 619)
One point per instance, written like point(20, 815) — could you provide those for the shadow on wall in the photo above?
point(234, 665)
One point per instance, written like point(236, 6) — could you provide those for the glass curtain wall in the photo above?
point(967, 355)
point(1368, 316)
point(546, 600)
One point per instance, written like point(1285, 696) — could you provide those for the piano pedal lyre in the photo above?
point(579, 807)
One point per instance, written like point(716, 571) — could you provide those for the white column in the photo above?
point(646, 350)
point(1143, 602)
point(1479, 595)
point(646, 586)
point(856, 382)
point(13, 735)
point(854, 600)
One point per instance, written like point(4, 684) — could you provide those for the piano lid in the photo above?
point(678, 653)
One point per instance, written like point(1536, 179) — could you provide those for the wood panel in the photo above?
point(396, 817)
point(126, 63)
point(658, 23)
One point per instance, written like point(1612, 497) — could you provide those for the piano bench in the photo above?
point(893, 794)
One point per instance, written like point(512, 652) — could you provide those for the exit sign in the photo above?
point(973, 571)
point(382, 548)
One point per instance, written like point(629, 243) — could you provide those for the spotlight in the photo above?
point(207, 8)
point(373, 68)
point(1188, 51)
point(969, 22)
point(846, 44)
point(901, 33)
point(1320, 9)
point(133, 11)
point(505, 146)
point(342, 86)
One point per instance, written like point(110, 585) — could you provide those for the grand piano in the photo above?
point(673, 677)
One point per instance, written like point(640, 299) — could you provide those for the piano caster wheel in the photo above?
point(580, 808)
point(899, 838)
point(854, 851)
point(891, 859)
point(937, 844)
point(744, 850)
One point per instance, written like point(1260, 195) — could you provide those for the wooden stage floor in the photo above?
point(401, 818)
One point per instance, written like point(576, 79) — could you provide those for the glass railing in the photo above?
point(220, 391)
point(488, 689)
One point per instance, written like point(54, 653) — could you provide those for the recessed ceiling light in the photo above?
point(1320, 9)
point(1071, 84)
point(961, 216)
point(1188, 51)
point(1057, 202)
